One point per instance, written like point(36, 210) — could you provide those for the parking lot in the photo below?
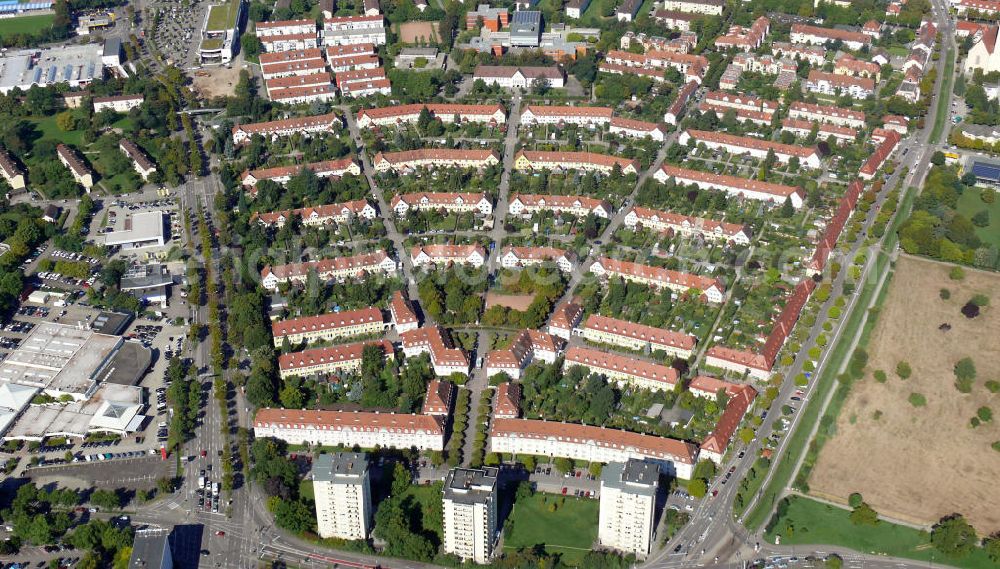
point(176, 29)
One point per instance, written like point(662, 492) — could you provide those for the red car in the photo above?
point(564, 491)
point(204, 453)
point(220, 533)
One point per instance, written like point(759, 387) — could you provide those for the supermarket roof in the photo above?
point(986, 170)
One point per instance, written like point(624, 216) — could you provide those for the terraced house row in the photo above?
point(340, 268)
point(446, 112)
point(328, 360)
point(455, 202)
point(712, 289)
point(329, 327)
point(527, 160)
point(687, 226)
point(282, 174)
point(319, 215)
point(409, 160)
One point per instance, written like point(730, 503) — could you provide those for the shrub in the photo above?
point(917, 400)
point(834, 312)
point(944, 293)
point(855, 500)
point(996, 446)
point(965, 368)
point(993, 386)
point(801, 380)
point(980, 300)
point(974, 422)
point(903, 370)
point(880, 376)
point(985, 414)
point(956, 273)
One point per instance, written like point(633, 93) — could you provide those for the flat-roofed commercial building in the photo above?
point(351, 428)
point(628, 506)
point(343, 495)
point(139, 231)
point(471, 513)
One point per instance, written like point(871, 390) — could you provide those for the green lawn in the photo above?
point(571, 530)
point(47, 126)
point(970, 204)
point(25, 24)
point(306, 489)
point(810, 522)
point(943, 116)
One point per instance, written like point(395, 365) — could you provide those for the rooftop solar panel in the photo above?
point(986, 170)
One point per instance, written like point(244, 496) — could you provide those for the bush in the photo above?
point(965, 368)
point(993, 386)
point(985, 414)
point(855, 500)
point(944, 293)
point(956, 273)
point(917, 400)
point(903, 370)
point(880, 376)
point(801, 380)
point(980, 300)
point(697, 488)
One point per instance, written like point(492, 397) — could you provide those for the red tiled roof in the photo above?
point(558, 202)
point(827, 111)
point(440, 198)
point(833, 34)
point(329, 354)
point(841, 80)
point(442, 350)
point(611, 362)
point(712, 385)
point(292, 55)
point(665, 276)
point(508, 401)
point(560, 157)
point(568, 111)
point(706, 225)
point(653, 335)
point(359, 262)
point(349, 420)
point(633, 124)
point(646, 445)
point(881, 153)
point(330, 321)
point(287, 124)
point(750, 142)
point(437, 109)
point(777, 190)
point(729, 421)
point(443, 154)
point(566, 315)
point(401, 309)
point(437, 400)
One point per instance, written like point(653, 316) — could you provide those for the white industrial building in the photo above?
point(139, 231)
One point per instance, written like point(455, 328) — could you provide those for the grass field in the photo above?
point(47, 126)
point(813, 522)
point(571, 530)
point(25, 24)
point(942, 116)
point(918, 447)
point(969, 204)
point(223, 16)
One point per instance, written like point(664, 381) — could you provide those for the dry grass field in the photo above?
point(519, 302)
point(921, 463)
point(418, 32)
point(218, 81)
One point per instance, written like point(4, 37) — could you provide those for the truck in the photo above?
point(215, 489)
point(201, 482)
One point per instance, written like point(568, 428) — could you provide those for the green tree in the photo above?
point(563, 465)
point(863, 514)
point(106, 499)
point(903, 370)
point(697, 488)
point(954, 537)
point(401, 479)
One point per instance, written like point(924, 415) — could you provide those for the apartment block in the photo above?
point(507, 403)
point(439, 397)
point(738, 187)
point(282, 174)
point(560, 114)
point(351, 30)
point(585, 161)
point(470, 508)
point(118, 103)
point(518, 257)
point(339, 268)
point(409, 160)
point(813, 35)
point(401, 313)
point(402, 204)
point(343, 495)
point(12, 173)
point(329, 327)
point(351, 428)
point(808, 156)
point(612, 331)
point(579, 206)
point(628, 506)
point(140, 161)
point(637, 129)
point(509, 77)
point(565, 319)
point(687, 226)
point(328, 360)
point(287, 127)
point(527, 347)
point(712, 289)
point(472, 255)
point(709, 7)
point(834, 84)
point(320, 215)
point(826, 114)
point(445, 358)
point(76, 166)
point(623, 370)
point(446, 112)
point(592, 444)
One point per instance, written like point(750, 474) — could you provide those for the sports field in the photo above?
point(25, 24)
point(571, 530)
point(919, 463)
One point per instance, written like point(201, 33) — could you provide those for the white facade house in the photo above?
point(592, 444)
point(402, 204)
point(687, 225)
point(350, 428)
point(352, 30)
point(118, 103)
point(713, 289)
point(472, 255)
point(445, 358)
point(470, 507)
point(339, 268)
point(628, 506)
point(519, 77)
point(517, 257)
point(740, 187)
point(343, 495)
point(579, 206)
point(808, 156)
